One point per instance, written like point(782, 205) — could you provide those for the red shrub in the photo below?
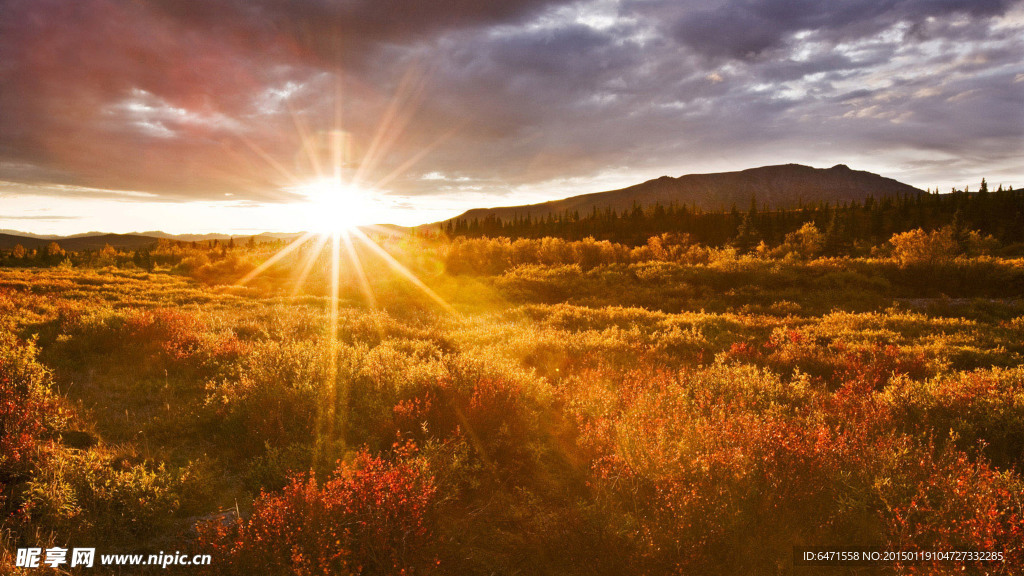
point(180, 339)
point(372, 517)
point(27, 408)
point(745, 352)
point(866, 368)
point(497, 416)
point(983, 407)
point(874, 367)
point(740, 493)
point(959, 504)
point(716, 471)
point(177, 334)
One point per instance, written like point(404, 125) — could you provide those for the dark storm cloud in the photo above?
point(196, 99)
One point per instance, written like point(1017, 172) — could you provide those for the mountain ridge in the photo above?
point(778, 186)
point(131, 241)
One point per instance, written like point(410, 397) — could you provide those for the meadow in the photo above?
point(574, 407)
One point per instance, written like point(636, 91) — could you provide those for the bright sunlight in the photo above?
point(332, 205)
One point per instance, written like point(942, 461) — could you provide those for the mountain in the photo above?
point(9, 241)
point(777, 186)
point(262, 237)
point(76, 243)
point(7, 232)
point(183, 237)
point(97, 240)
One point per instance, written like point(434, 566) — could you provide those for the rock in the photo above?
point(78, 439)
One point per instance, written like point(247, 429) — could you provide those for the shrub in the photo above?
point(274, 397)
point(836, 362)
point(500, 415)
point(985, 406)
point(920, 247)
point(28, 409)
point(807, 242)
point(954, 503)
point(101, 497)
point(154, 340)
point(181, 339)
point(373, 516)
point(723, 470)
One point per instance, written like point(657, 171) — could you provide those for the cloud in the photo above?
point(179, 97)
point(745, 29)
point(233, 99)
point(342, 32)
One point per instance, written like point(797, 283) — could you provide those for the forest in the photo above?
point(662, 392)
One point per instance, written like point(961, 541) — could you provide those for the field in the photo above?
point(549, 407)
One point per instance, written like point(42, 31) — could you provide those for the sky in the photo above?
point(230, 115)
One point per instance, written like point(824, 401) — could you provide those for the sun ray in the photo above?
point(370, 163)
point(378, 137)
point(307, 143)
point(392, 125)
point(334, 400)
point(284, 172)
point(401, 269)
point(250, 183)
point(402, 168)
point(308, 263)
point(275, 258)
point(337, 133)
point(357, 265)
point(384, 230)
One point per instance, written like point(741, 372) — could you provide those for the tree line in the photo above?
point(162, 252)
point(998, 213)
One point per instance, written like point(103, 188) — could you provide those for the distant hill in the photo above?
point(7, 232)
point(75, 243)
point(97, 240)
point(9, 241)
point(781, 186)
point(262, 237)
point(184, 237)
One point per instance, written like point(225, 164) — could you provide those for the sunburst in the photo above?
point(331, 205)
point(340, 204)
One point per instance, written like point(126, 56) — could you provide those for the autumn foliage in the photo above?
point(28, 409)
point(372, 516)
point(584, 407)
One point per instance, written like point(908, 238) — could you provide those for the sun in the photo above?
point(331, 205)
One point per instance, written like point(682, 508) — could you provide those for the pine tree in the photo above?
point(747, 235)
point(833, 236)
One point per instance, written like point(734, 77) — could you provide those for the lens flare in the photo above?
point(337, 206)
point(332, 206)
